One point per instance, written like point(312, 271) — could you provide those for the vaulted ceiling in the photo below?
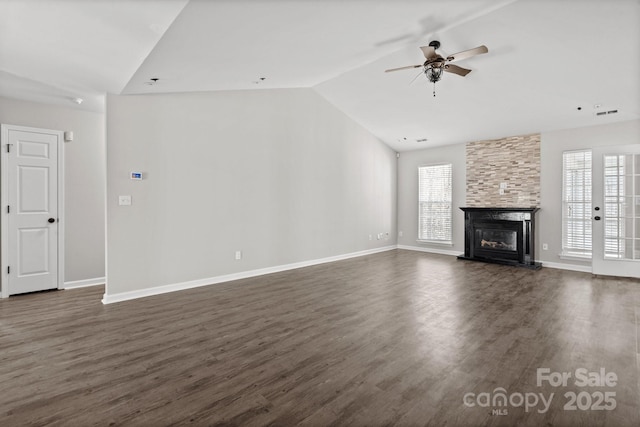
point(551, 64)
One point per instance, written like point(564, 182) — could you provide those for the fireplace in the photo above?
point(500, 235)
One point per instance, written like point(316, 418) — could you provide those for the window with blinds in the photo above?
point(622, 207)
point(434, 203)
point(576, 203)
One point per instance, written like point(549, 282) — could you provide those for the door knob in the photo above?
point(597, 208)
point(597, 218)
point(51, 220)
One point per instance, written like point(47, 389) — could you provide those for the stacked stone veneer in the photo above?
point(515, 161)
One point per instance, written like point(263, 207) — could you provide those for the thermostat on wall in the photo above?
point(136, 175)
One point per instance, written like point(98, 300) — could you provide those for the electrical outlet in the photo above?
point(124, 200)
point(545, 247)
point(238, 255)
point(501, 191)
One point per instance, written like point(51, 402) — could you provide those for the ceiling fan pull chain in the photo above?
point(434, 89)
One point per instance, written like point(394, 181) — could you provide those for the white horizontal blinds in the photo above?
point(622, 206)
point(576, 202)
point(434, 203)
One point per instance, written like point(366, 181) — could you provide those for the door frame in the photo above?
point(599, 265)
point(4, 201)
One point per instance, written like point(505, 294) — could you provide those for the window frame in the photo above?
point(448, 220)
point(584, 221)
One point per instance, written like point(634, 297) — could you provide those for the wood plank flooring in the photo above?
point(396, 338)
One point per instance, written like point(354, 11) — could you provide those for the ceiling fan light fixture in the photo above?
point(433, 73)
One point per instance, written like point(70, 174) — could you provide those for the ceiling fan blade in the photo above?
point(429, 51)
point(416, 77)
point(467, 53)
point(450, 68)
point(403, 68)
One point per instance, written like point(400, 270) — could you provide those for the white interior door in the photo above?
point(31, 216)
point(616, 211)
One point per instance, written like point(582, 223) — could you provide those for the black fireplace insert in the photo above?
point(500, 235)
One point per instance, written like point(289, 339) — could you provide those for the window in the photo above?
point(622, 206)
point(434, 203)
point(576, 203)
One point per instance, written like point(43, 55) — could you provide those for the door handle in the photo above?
point(597, 218)
point(51, 220)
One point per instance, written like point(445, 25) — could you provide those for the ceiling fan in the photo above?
point(435, 64)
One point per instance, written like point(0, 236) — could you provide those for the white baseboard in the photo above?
point(563, 266)
point(84, 283)
point(431, 250)
point(157, 290)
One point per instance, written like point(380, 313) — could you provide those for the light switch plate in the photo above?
point(124, 200)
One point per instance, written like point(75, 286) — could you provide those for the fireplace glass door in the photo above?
point(498, 240)
point(504, 240)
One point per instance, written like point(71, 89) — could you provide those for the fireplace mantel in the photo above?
point(500, 235)
point(503, 210)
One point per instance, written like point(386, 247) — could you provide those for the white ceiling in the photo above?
point(54, 51)
point(546, 58)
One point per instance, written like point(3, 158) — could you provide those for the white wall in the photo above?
point(408, 195)
point(552, 145)
point(85, 177)
point(281, 175)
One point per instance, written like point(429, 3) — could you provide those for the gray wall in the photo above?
point(408, 195)
point(281, 175)
point(549, 219)
point(313, 183)
point(84, 180)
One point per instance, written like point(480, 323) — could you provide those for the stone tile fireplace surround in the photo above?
point(513, 162)
point(503, 195)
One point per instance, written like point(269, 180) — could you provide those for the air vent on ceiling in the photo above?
point(421, 140)
point(606, 113)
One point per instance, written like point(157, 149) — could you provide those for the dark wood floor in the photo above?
point(393, 338)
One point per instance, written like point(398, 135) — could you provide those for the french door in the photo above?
point(616, 211)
